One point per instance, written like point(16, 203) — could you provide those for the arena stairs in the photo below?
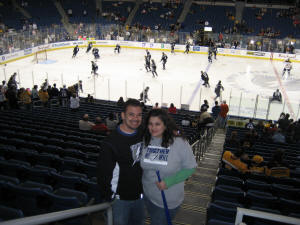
point(198, 188)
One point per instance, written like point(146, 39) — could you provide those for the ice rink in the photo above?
point(124, 75)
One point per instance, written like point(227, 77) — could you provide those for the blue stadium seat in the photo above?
point(257, 185)
point(228, 193)
point(261, 199)
point(7, 213)
point(229, 181)
point(218, 212)
point(285, 191)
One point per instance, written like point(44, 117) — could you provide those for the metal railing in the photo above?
point(66, 214)
point(263, 215)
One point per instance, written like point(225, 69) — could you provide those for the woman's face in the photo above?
point(156, 127)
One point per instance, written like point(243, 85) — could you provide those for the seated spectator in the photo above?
point(260, 126)
point(120, 102)
point(172, 109)
point(205, 117)
point(277, 167)
point(74, 102)
point(250, 124)
point(284, 122)
point(100, 127)
point(205, 104)
point(233, 141)
point(35, 93)
point(278, 137)
point(235, 161)
point(85, 124)
point(156, 106)
point(186, 122)
point(54, 91)
point(112, 122)
point(257, 164)
point(25, 98)
point(277, 96)
point(44, 96)
point(89, 99)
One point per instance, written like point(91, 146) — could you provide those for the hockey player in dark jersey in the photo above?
point(144, 95)
point(164, 59)
point(173, 47)
point(75, 51)
point(205, 78)
point(90, 45)
point(153, 66)
point(45, 85)
point(215, 50)
point(96, 53)
point(94, 68)
point(12, 83)
point(147, 64)
point(148, 54)
point(187, 48)
point(117, 49)
point(218, 89)
point(209, 57)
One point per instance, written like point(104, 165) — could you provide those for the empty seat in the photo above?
point(229, 181)
point(218, 212)
point(257, 185)
point(261, 199)
point(285, 191)
point(228, 193)
point(9, 179)
point(7, 213)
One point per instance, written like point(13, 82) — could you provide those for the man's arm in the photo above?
point(105, 167)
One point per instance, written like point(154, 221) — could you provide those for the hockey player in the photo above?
point(209, 57)
point(90, 45)
point(94, 68)
point(173, 47)
point(144, 95)
point(45, 85)
point(205, 78)
point(215, 50)
point(147, 64)
point(277, 96)
point(75, 51)
point(148, 54)
point(287, 67)
point(218, 89)
point(187, 48)
point(164, 59)
point(153, 66)
point(95, 52)
point(117, 48)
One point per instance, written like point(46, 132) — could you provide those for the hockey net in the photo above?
point(40, 56)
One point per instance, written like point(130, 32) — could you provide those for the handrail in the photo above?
point(263, 215)
point(56, 216)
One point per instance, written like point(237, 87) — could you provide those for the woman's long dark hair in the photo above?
point(170, 132)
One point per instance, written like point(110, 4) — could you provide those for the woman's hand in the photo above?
point(161, 185)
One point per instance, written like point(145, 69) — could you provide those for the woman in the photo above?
point(74, 102)
point(166, 151)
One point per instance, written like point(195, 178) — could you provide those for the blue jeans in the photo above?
point(157, 214)
point(127, 212)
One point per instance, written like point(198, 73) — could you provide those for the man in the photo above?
point(119, 177)
point(215, 110)
point(223, 114)
point(205, 104)
point(85, 124)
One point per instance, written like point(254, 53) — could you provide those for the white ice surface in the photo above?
point(124, 75)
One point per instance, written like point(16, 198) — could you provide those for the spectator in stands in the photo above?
point(233, 141)
point(297, 132)
point(160, 135)
point(247, 142)
point(64, 94)
point(205, 104)
point(277, 160)
point(278, 137)
point(112, 121)
point(186, 122)
point(277, 96)
point(223, 114)
point(120, 102)
point(74, 102)
point(236, 160)
point(100, 127)
point(284, 123)
point(25, 98)
point(250, 125)
point(257, 164)
point(89, 99)
point(11, 95)
point(205, 117)
point(172, 109)
point(44, 97)
point(116, 154)
point(35, 93)
point(2, 98)
point(54, 91)
point(260, 126)
point(156, 106)
point(49, 91)
point(216, 110)
point(85, 124)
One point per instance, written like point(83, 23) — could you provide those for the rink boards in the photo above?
point(147, 45)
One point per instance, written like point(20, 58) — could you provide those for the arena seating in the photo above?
point(256, 191)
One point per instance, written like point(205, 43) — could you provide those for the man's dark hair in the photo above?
point(216, 102)
point(131, 102)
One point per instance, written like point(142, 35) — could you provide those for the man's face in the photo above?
point(132, 118)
